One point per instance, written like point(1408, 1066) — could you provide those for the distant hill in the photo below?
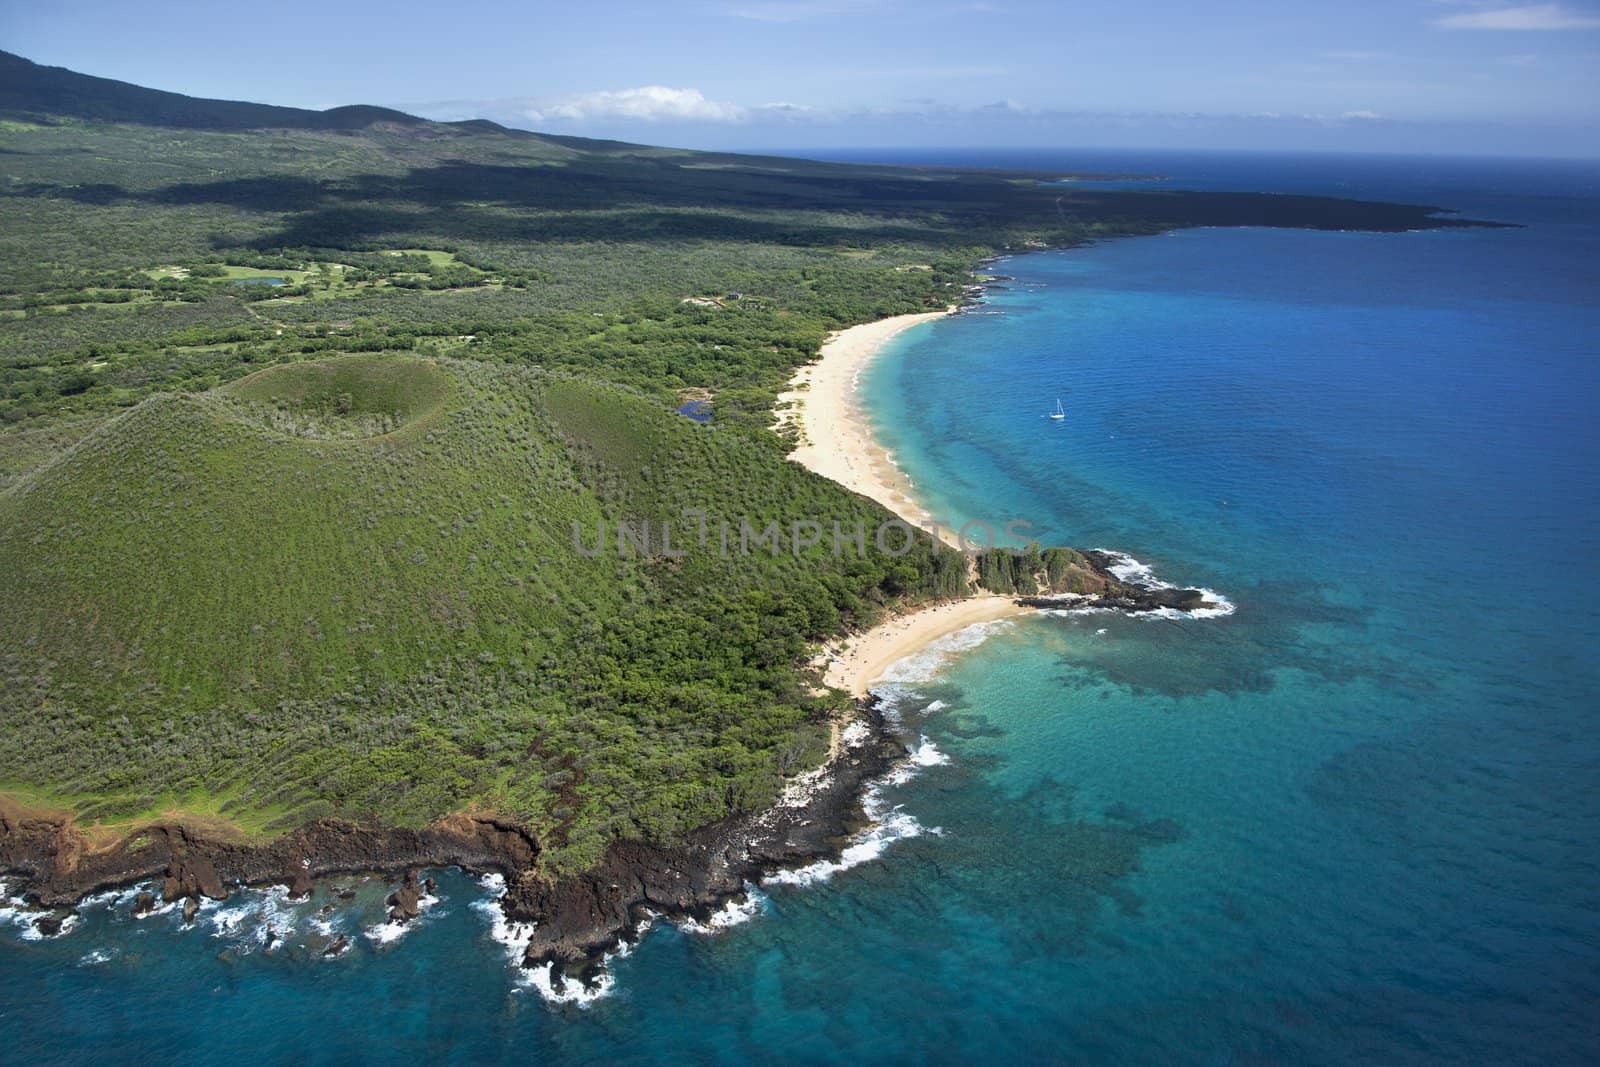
point(30, 90)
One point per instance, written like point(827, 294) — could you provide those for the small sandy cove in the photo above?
point(866, 656)
point(837, 442)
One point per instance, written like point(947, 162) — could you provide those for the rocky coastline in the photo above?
point(50, 863)
point(1121, 592)
point(576, 919)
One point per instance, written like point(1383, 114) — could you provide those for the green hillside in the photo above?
point(222, 603)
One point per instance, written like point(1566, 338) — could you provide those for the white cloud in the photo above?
point(1532, 17)
point(650, 103)
point(1368, 115)
point(781, 108)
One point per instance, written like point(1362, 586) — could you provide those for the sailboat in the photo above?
point(1059, 412)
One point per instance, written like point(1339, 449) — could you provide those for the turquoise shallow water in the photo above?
point(1354, 822)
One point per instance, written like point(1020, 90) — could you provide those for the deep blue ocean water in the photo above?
point(1357, 821)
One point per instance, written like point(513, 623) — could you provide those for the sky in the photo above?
point(1450, 76)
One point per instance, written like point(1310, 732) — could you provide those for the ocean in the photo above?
point(1355, 821)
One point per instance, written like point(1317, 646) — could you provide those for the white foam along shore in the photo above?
point(866, 657)
point(837, 442)
point(1130, 570)
point(514, 936)
point(887, 824)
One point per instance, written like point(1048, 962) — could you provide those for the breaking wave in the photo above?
point(924, 664)
point(389, 931)
point(515, 936)
point(1127, 569)
point(734, 912)
point(888, 823)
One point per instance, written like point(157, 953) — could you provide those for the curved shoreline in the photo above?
point(836, 439)
point(838, 442)
point(863, 658)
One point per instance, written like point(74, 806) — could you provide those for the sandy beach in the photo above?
point(836, 440)
point(866, 656)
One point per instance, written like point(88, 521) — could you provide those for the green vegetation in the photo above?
point(1033, 570)
point(351, 397)
point(395, 627)
point(273, 552)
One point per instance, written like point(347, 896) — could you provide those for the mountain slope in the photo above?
point(353, 587)
point(31, 90)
